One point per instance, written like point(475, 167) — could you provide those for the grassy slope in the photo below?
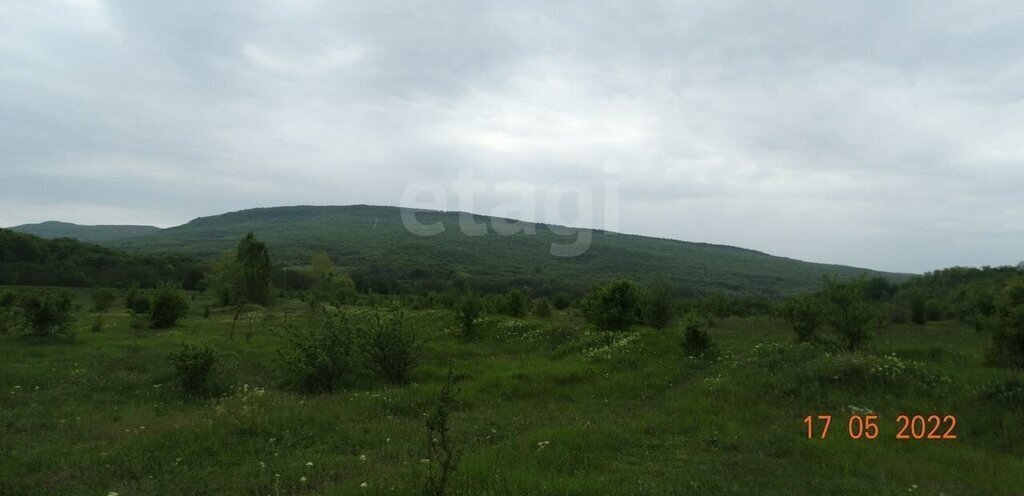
point(631, 418)
point(90, 234)
point(360, 236)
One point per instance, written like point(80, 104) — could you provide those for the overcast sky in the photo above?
point(881, 134)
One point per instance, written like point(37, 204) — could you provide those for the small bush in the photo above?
point(468, 311)
point(515, 303)
point(193, 366)
point(849, 312)
point(1007, 327)
point(97, 324)
point(47, 314)
point(541, 308)
point(102, 299)
point(9, 314)
point(135, 301)
point(391, 349)
point(320, 356)
point(614, 306)
point(696, 340)
point(805, 314)
point(168, 306)
point(137, 321)
point(443, 451)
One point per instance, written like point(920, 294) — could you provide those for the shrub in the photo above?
point(443, 451)
point(9, 316)
point(137, 322)
point(135, 301)
point(561, 301)
point(657, 309)
point(169, 305)
point(1008, 326)
point(193, 365)
point(468, 311)
point(391, 349)
point(804, 313)
point(47, 314)
point(696, 340)
point(541, 308)
point(320, 356)
point(97, 323)
point(614, 306)
point(515, 303)
point(848, 311)
point(102, 299)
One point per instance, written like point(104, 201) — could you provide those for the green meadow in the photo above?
point(542, 406)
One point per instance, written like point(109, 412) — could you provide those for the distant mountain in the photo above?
point(91, 234)
point(373, 244)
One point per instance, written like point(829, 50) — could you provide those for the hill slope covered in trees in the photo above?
point(90, 234)
point(373, 245)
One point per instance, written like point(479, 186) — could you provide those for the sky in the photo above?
point(878, 134)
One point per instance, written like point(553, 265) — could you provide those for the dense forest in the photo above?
point(27, 260)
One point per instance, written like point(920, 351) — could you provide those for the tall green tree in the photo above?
point(849, 312)
point(254, 262)
point(614, 306)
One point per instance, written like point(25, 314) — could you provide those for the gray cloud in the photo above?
point(872, 133)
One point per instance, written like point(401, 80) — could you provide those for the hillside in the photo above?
point(372, 243)
point(89, 234)
point(28, 260)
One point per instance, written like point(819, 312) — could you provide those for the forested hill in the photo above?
point(32, 261)
point(90, 234)
point(373, 244)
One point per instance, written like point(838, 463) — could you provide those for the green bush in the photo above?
point(97, 323)
point(169, 305)
point(468, 311)
point(515, 303)
point(614, 306)
point(1008, 326)
point(193, 366)
point(804, 314)
point(9, 315)
point(849, 312)
point(135, 301)
point(391, 349)
point(696, 340)
point(102, 299)
point(319, 355)
point(541, 308)
point(46, 314)
point(657, 305)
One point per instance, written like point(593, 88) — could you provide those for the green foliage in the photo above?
point(9, 314)
point(135, 300)
point(614, 306)
point(320, 355)
point(805, 314)
point(657, 305)
point(1008, 326)
point(390, 259)
point(443, 450)
point(391, 348)
point(169, 304)
point(46, 313)
point(31, 261)
point(97, 323)
point(696, 340)
point(516, 302)
point(541, 308)
point(561, 301)
point(254, 263)
point(102, 299)
point(848, 312)
point(193, 366)
point(467, 312)
point(224, 281)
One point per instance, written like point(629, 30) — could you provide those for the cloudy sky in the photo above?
point(880, 134)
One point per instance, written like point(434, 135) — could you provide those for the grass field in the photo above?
point(539, 412)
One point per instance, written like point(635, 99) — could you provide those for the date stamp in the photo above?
point(907, 428)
